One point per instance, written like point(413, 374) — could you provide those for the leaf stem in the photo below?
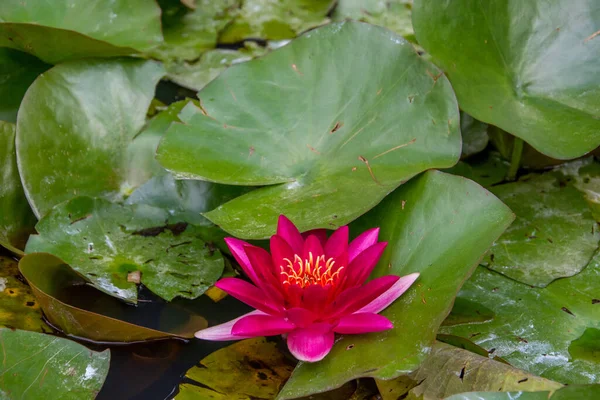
point(515, 160)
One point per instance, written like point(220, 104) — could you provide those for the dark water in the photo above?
point(152, 370)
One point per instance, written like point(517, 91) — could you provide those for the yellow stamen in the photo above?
point(310, 271)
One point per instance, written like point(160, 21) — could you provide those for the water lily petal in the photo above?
point(261, 325)
point(353, 299)
point(337, 243)
point(312, 245)
point(263, 266)
point(301, 317)
point(222, 332)
point(321, 234)
point(362, 323)
point(237, 249)
point(315, 297)
point(288, 231)
point(280, 253)
point(311, 344)
point(361, 267)
point(390, 295)
point(293, 295)
point(249, 294)
point(362, 242)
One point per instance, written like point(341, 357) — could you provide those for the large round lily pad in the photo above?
point(439, 225)
point(317, 120)
point(16, 219)
point(553, 236)
point(36, 366)
point(552, 332)
point(106, 242)
point(68, 29)
point(579, 392)
point(529, 67)
point(75, 130)
point(449, 370)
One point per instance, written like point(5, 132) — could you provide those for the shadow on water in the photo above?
point(152, 370)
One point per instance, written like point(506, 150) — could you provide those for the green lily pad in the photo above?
point(584, 174)
point(17, 220)
point(17, 71)
point(466, 344)
point(439, 225)
point(314, 120)
point(474, 135)
point(18, 306)
point(80, 143)
point(527, 67)
point(500, 396)
point(249, 369)
point(536, 329)
point(190, 32)
point(36, 366)
point(52, 280)
point(487, 170)
point(105, 242)
point(65, 29)
point(394, 15)
point(579, 392)
point(553, 236)
point(195, 75)
point(275, 19)
point(185, 200)
point(531, 159)
point(449, 370)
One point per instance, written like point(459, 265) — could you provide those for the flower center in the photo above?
point(310, 271)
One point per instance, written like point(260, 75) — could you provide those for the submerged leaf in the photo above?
point(52, 280)
point(105, 242)
point(439, 225)
point(18, 306)
point(36, 366)
point(249, 369)
point(313, 120)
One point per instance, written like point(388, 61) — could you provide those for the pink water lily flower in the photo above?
point(309, 288)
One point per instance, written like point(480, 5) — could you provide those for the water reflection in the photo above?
point(152, 370)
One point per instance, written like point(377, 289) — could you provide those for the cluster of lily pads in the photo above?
point(137, 135)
